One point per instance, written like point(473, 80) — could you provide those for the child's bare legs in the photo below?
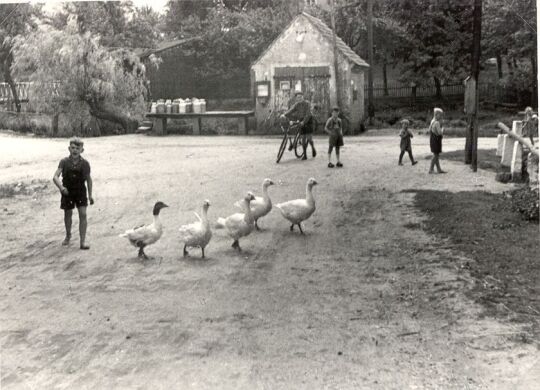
point(330, 148)
point(304, 146)
point(68, 215)
point(401, 157)
point(313, 151)
point(82, 227)
point(339, 164)
point(435, 163)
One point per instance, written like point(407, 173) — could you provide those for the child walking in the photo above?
point(435, 139)
point(405, 144)
point(75, 172)
point(334, 129)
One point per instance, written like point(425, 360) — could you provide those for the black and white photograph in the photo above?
point(269, 195)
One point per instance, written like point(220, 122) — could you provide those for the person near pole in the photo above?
point(435, 140)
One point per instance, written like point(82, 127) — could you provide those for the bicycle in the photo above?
point(295, 143)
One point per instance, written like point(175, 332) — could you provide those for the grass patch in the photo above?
point(11, 190)
point(454, 122)
point(503, 245)
point(487, 159)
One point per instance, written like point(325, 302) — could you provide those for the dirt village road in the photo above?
point(361, 301)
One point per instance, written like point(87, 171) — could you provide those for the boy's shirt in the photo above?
point(528, 127)
point(74, 174)
point(300, 111)
point(405, 133)
point(435, 127)
point(333, 126)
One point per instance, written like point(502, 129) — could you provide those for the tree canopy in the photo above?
point(73, 74)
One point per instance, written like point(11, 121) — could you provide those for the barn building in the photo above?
point(301, 58)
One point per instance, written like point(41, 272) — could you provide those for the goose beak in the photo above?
point(164, 205)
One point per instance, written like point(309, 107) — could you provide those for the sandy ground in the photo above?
point(359, 302)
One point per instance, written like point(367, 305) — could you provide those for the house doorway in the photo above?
point(313, 81)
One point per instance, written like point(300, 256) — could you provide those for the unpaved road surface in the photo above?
point(365, 300)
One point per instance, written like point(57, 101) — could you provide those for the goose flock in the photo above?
point(239, 225)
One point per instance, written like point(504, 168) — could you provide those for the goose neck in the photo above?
point(309, 195)
point(247, 210)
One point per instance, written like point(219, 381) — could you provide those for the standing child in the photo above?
point(529, 125)
point(435, 139)
point(75, 172)
point(405, 143)
point(334, 129)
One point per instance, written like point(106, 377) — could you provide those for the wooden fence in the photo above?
point(409, 95)
point(23, 92)
point(6, 95)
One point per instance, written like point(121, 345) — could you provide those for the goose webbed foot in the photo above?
point(141, 253)
point(236, 245)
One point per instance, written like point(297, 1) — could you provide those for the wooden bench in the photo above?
point(160, 120)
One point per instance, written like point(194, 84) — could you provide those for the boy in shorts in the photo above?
point(75, 172)
point(334, 129)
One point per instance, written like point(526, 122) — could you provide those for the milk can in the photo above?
point(202, 102)
point(196, 106)
point(160, 107)
point(153, 108)
point(182, 106)
point(189, 105)
point(175, 106)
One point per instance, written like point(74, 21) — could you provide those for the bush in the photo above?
point(525, 201)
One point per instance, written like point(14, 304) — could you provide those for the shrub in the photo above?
point(525, 201)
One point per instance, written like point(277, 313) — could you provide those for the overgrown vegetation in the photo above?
point(502, 247)
point(525, 201)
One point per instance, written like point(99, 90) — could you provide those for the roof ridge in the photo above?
point(345, 49)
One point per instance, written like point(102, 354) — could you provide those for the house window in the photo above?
point(298, 86)
point(311, 2)
point(285, 85)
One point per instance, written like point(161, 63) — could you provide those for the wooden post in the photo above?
point(336, 66)
point(371, 106)
point(477, 34)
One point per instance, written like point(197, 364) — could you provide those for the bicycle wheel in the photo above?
point(282, 148)
point(298, 147)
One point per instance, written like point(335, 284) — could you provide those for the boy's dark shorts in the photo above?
point(335, 141)
point(69, 202)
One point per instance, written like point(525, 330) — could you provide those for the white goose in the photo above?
point(240, 224)
point(298, 210)
point(261, 205)
point(144, 235)
point(197, 234)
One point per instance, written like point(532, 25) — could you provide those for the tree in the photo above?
point(15, 19)
point(180, 15)
point(229, 40)
point(74, 74)
point(437, 44)
point(510, 31)
point(143, 29)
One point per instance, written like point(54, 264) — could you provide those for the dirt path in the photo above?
point(365, 299)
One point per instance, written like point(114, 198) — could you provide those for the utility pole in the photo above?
point(477, 34)
point(371, 106)
point(334, 44)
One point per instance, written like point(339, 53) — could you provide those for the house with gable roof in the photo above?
point(301, 58)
